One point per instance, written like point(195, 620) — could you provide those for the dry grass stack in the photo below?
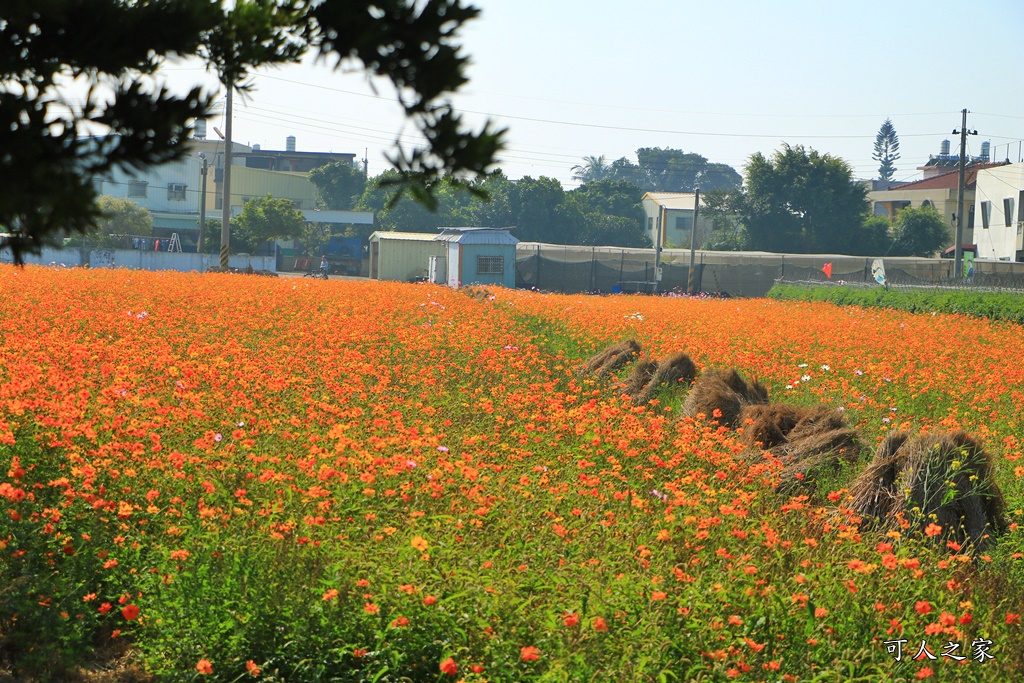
point(942, 478)
point(612, 358)
point(673, 371)
point(724, 391)
point(639, 378)
point(807, 441)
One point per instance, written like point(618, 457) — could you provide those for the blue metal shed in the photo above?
point(485, 256)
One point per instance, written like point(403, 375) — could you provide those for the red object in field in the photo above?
point(827, 269)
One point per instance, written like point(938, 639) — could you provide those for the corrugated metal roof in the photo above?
point(478, 236)
point(410, 236)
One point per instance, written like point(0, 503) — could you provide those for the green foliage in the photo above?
point(996, 306)
point(592, 168)
point(264, 220)
point(339, 186)
point(603, 212)
point(801, 201)
point(46, 168)
point(662, 170)
point(920, 232)
point(887, 147)
point(119, 219)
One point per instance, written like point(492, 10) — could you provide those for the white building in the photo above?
point(998, 220)
point(671, 213)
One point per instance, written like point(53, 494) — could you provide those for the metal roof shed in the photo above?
point(402, 255)
point(485, 256)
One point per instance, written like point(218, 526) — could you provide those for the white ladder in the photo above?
point(175, 243)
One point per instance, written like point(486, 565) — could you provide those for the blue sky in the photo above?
point(724, 79)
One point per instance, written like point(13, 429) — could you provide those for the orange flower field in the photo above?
point(215, 477)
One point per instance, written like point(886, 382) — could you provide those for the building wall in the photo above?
point(249, 183)
point(155, 195)
point(469, 274)
point(995, 185)
point(403, 260)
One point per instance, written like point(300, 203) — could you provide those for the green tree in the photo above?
point(673, 170)
point(46, 164)
point(339, 186)
point(920, 232)
point(122, 217)
point(536, 213)
point(800, 201)
point(887, 147)
point(592, 168)
point(265, 220)
point(605, 212)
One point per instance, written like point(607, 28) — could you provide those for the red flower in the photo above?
point(1012, 618)
point(599, 624)
point(922, 607)
point(449, 667)
point(529, 653)
point(129, 612)
point(203, 666)
point(571, 619)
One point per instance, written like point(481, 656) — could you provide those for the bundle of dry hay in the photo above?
point(642, 373)
point(942, 478)
point(725, 391)
point(672, 371)
point(807, 441)
point(612, 358)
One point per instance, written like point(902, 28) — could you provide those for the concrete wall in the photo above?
point(139, 260)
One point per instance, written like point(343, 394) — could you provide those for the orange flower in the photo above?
point(429, 600)
point(933, 530)
point(599, 624)
point(130, 612)
point(924, 672)
point(252, 668)
point(449, 667)
point(1012, 618)
point(203, 666)
point(820, 612)
point(571, 619)
point(329, 595)
point(371, 608)
point(658, 595)
point(922, 607)
point(419, 543)
point(529, 653)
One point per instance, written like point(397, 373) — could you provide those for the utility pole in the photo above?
point(202, 206)
point(693, 241)
point(657, 246)
point(225, 214)
point(959, 247)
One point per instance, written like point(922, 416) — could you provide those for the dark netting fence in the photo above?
point(574, 269)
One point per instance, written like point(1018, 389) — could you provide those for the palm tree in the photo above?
point(592, 168)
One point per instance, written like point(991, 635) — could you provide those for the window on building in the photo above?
point(490, 265)
point(176, 192)
point(986, 213)
point(927, 204)
point(650, 224)
point(970, 218)
point(1008, 211)
point(684, 223)
point(137, 188)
